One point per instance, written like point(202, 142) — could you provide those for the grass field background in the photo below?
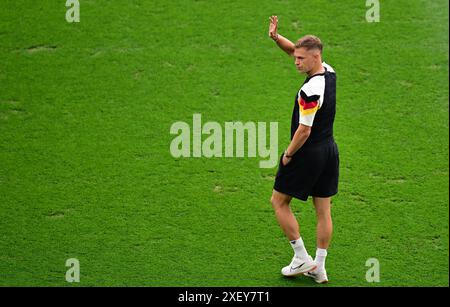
point(85, 166)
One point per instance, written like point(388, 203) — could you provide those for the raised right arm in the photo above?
point(282, 42)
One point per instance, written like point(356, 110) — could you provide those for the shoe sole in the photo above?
point(301, 273)
point(319, 282)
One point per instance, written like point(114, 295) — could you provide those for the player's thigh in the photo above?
point(279, 199)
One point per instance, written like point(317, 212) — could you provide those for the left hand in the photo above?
point(286, 160)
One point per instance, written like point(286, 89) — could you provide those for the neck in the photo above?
point(318, 69)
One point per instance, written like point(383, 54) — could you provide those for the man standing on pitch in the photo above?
point(310, 164)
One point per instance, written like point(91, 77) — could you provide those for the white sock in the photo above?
point(321, 255)
point(299, 249)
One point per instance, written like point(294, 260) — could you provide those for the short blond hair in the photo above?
point(309, 42)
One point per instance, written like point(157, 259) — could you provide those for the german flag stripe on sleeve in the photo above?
point(308, 98)
point(308, 104)
point(308, 107)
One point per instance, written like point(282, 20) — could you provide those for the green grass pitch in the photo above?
point(85, 166)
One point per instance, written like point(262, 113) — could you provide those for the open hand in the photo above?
point(273, 27)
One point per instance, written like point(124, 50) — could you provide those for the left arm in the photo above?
point(309, 102)
point(300, 137)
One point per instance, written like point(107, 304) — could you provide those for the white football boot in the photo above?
point(320, 276)
point(298, 266)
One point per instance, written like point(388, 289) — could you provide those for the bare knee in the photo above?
point(323, 215)
point(280, 200)
point(275, 203)
point(323, 208)
point(278, 204)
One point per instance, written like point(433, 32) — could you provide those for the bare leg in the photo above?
point(324, 222)
point(285, 217)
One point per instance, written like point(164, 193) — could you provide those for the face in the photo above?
point(306, 60)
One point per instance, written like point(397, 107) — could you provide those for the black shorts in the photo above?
point(312, 171)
